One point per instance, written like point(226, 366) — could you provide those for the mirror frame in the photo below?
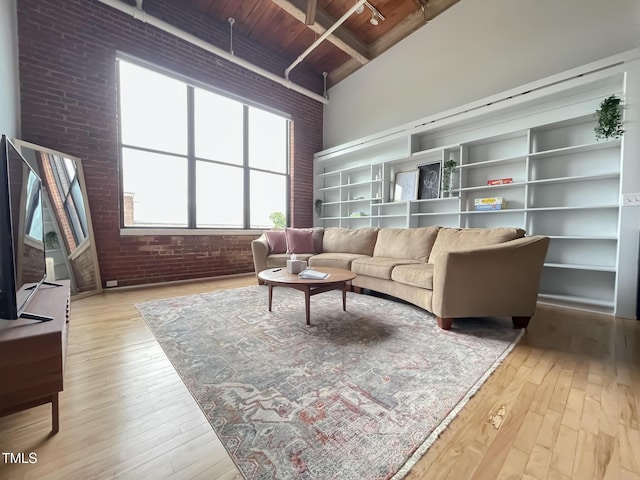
point(20, 144)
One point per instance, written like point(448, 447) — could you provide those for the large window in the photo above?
point(192, 158)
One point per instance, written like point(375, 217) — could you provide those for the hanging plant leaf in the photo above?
point(609, 119)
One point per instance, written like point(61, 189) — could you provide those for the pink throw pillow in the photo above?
point(277, 241)
point(299, 240)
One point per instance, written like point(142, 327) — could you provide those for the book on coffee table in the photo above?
point(313, 274)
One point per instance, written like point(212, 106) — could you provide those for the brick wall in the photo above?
point(67, 51)
point(83, 270)
point(56, 201)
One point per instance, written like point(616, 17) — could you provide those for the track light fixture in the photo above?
point(376, 16)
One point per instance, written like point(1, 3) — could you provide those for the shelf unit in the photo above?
point(565, 185)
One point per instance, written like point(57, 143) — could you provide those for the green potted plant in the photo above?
point(317, 205)
point(51, 240)
point(448, 177)
point(609, 119)
point(278, 219)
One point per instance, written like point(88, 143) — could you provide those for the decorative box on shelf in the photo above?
point(500, 181)
point(491, 203)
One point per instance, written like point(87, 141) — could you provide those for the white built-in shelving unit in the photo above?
point(566, 184)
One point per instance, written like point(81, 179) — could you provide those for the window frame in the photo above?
point(192, 228)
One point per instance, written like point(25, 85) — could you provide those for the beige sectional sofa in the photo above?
point(451, 272)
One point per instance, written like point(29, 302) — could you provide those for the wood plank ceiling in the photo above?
point(289, 27)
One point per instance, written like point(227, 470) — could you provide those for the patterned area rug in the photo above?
point(360, 394)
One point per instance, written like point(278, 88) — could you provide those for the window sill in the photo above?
point(171, 232)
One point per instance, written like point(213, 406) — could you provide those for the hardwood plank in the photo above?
point(590, 415)
point(467, 462)
point(627, 475)
point(538, 462)
point(496, 454)
point(549, 429)
point(629, 447)
point(628, 406)
point(514, 465)
point(607, 464)
point(560, 393)
point(526, 438)
point(573, 410)
point(609, 410)
point(584, 466)
point(563, 456)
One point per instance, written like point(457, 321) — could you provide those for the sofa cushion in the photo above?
point(318, 235)
point(455, 239)
point(335, 260)
point(418, 275)
point(299, 240)
point(277, 241)
point(344, 240)
point(414, 243)
point(378, 267)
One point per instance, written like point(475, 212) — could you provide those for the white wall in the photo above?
point(473, 50)
point(9, 96)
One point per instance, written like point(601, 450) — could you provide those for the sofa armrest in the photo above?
point(497, 280)
point(260, 250)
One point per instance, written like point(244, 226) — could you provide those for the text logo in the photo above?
point(21, 457)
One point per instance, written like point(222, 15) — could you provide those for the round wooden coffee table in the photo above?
point(337, 280)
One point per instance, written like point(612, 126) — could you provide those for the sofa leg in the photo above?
point(520, 322)
point(357, 289)
point(444, 323)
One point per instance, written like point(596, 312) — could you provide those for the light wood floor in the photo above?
point(564, 405)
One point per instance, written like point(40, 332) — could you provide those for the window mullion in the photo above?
point(245, 163)
point(191, 159)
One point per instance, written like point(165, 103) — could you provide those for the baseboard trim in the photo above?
point(177, 282)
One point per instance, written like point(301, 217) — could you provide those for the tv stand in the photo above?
point(32, 355)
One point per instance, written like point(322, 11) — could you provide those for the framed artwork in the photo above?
point(405, 187)
point(429, 180)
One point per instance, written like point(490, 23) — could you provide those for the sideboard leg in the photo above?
point(55, 414)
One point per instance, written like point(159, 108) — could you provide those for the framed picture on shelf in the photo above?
point(405, 186)
point(429, 180)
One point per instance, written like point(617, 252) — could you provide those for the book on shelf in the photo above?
point(489, 201)
point(483, 207)
point(311, 274)
point(500, 181)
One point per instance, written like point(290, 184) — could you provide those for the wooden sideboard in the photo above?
point(32, 354)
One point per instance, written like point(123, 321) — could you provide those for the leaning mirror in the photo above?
point(69, 242)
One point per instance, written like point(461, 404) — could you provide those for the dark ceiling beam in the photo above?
point(359, 52)
point(410, 24)
point(341, 38)
point(310, 17)
point(342, 72)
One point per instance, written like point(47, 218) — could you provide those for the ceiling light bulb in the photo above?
point(360, 9)
point(374, 19)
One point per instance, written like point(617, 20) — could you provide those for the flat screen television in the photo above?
point(22, 247)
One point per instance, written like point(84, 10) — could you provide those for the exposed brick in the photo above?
point(67, 52)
